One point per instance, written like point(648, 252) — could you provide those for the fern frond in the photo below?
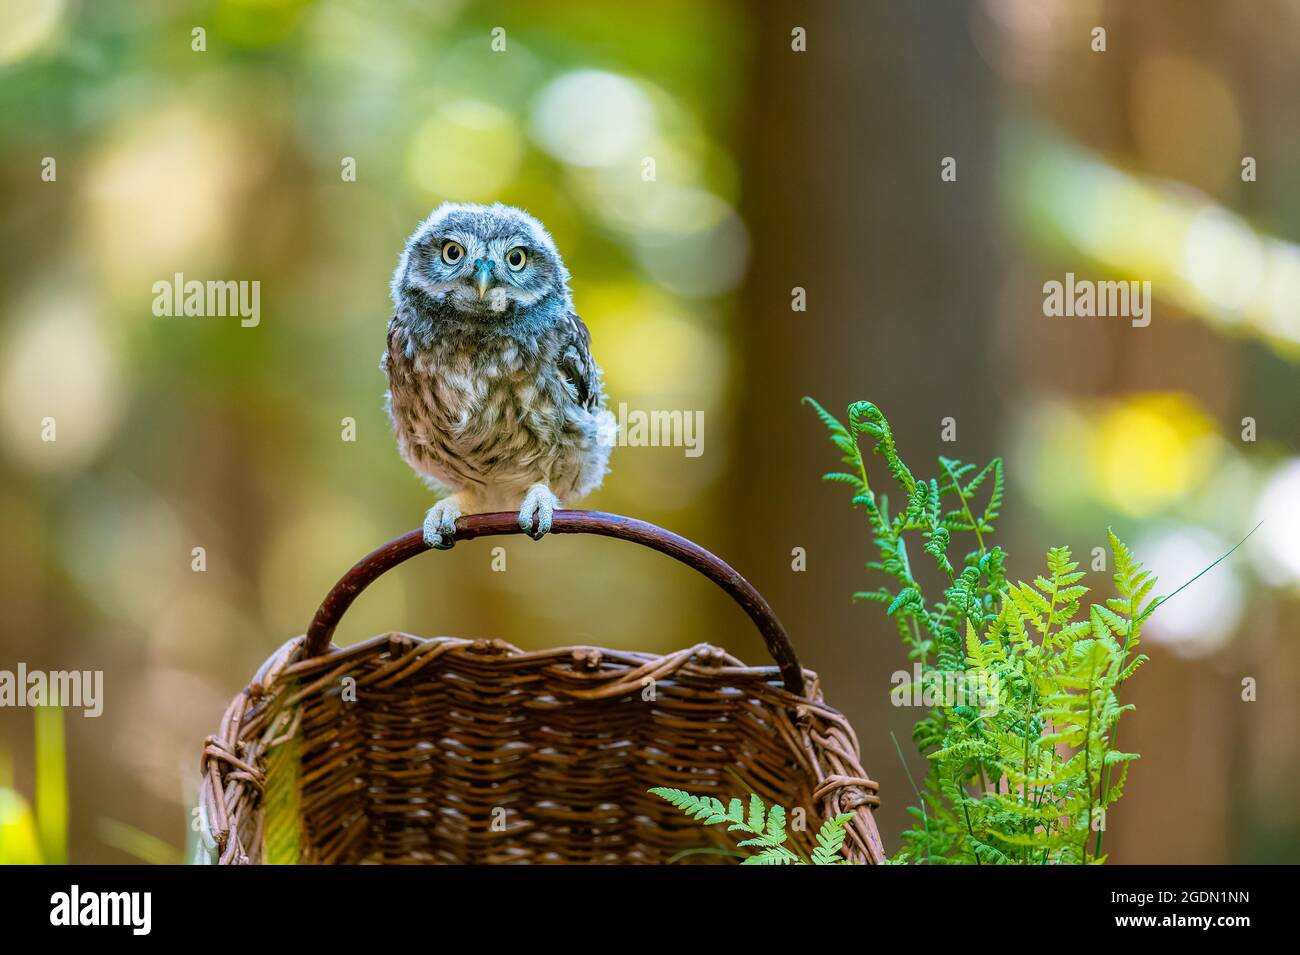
point(1014, 778)
point(764, 825)
point(839, 477)
point(832, 423)
point(775, 855)
point(829, 840)
point(989, 855)
point(993, 509)
point(706, 809)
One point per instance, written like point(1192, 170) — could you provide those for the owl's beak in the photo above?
point(483, 276)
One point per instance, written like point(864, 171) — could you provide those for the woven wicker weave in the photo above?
point(473, 751)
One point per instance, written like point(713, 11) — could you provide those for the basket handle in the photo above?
point(371, 567)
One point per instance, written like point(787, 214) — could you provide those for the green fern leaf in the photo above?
point(706, 809)
point(829, 840)
point(757, 814)
point(832, 423)
point(776, 855)
point(776, 824)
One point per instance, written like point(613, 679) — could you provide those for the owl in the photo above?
point(493, 394)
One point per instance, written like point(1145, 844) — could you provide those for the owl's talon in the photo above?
point(440, 524)
point(537, 511)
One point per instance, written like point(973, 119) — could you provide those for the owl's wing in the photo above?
point(577, 365)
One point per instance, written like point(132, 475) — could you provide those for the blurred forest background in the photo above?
point(774, 169)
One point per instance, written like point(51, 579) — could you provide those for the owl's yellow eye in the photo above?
point(452, 252)
point(516, 258)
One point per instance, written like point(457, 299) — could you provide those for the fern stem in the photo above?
point(1103, 777)
point(1162, 600)
point(920, 801)
point(1087, 765)
point(1033, 694)
point(965, 812)
point(965, 506)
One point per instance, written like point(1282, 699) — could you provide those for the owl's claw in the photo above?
point(440, 524)
point(537, 510)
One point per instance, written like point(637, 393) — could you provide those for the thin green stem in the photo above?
point(1128, 639)
point(1087, 767)
point(965, 506)
point(920, 801)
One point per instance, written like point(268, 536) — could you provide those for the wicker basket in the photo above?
point(406, 750)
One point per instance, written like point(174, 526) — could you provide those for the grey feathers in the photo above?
point(492, 386)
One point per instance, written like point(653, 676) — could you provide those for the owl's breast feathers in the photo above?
point(493, 414)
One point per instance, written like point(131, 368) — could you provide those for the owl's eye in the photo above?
point(516, 258)
point(452, 252)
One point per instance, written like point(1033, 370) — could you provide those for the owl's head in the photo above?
point(480, 260)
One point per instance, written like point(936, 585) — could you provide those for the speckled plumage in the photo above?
point(493, 393)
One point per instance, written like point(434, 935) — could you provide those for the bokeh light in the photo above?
point(1204, 259)
point(1149, 451)
point(60, 383)
point(1202, 618)
point(594, 118)
point(1276, 545)
point(1223, 261)
point(1186, 120)
point(160, 196)
point(26, 26)
point(467, 151)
